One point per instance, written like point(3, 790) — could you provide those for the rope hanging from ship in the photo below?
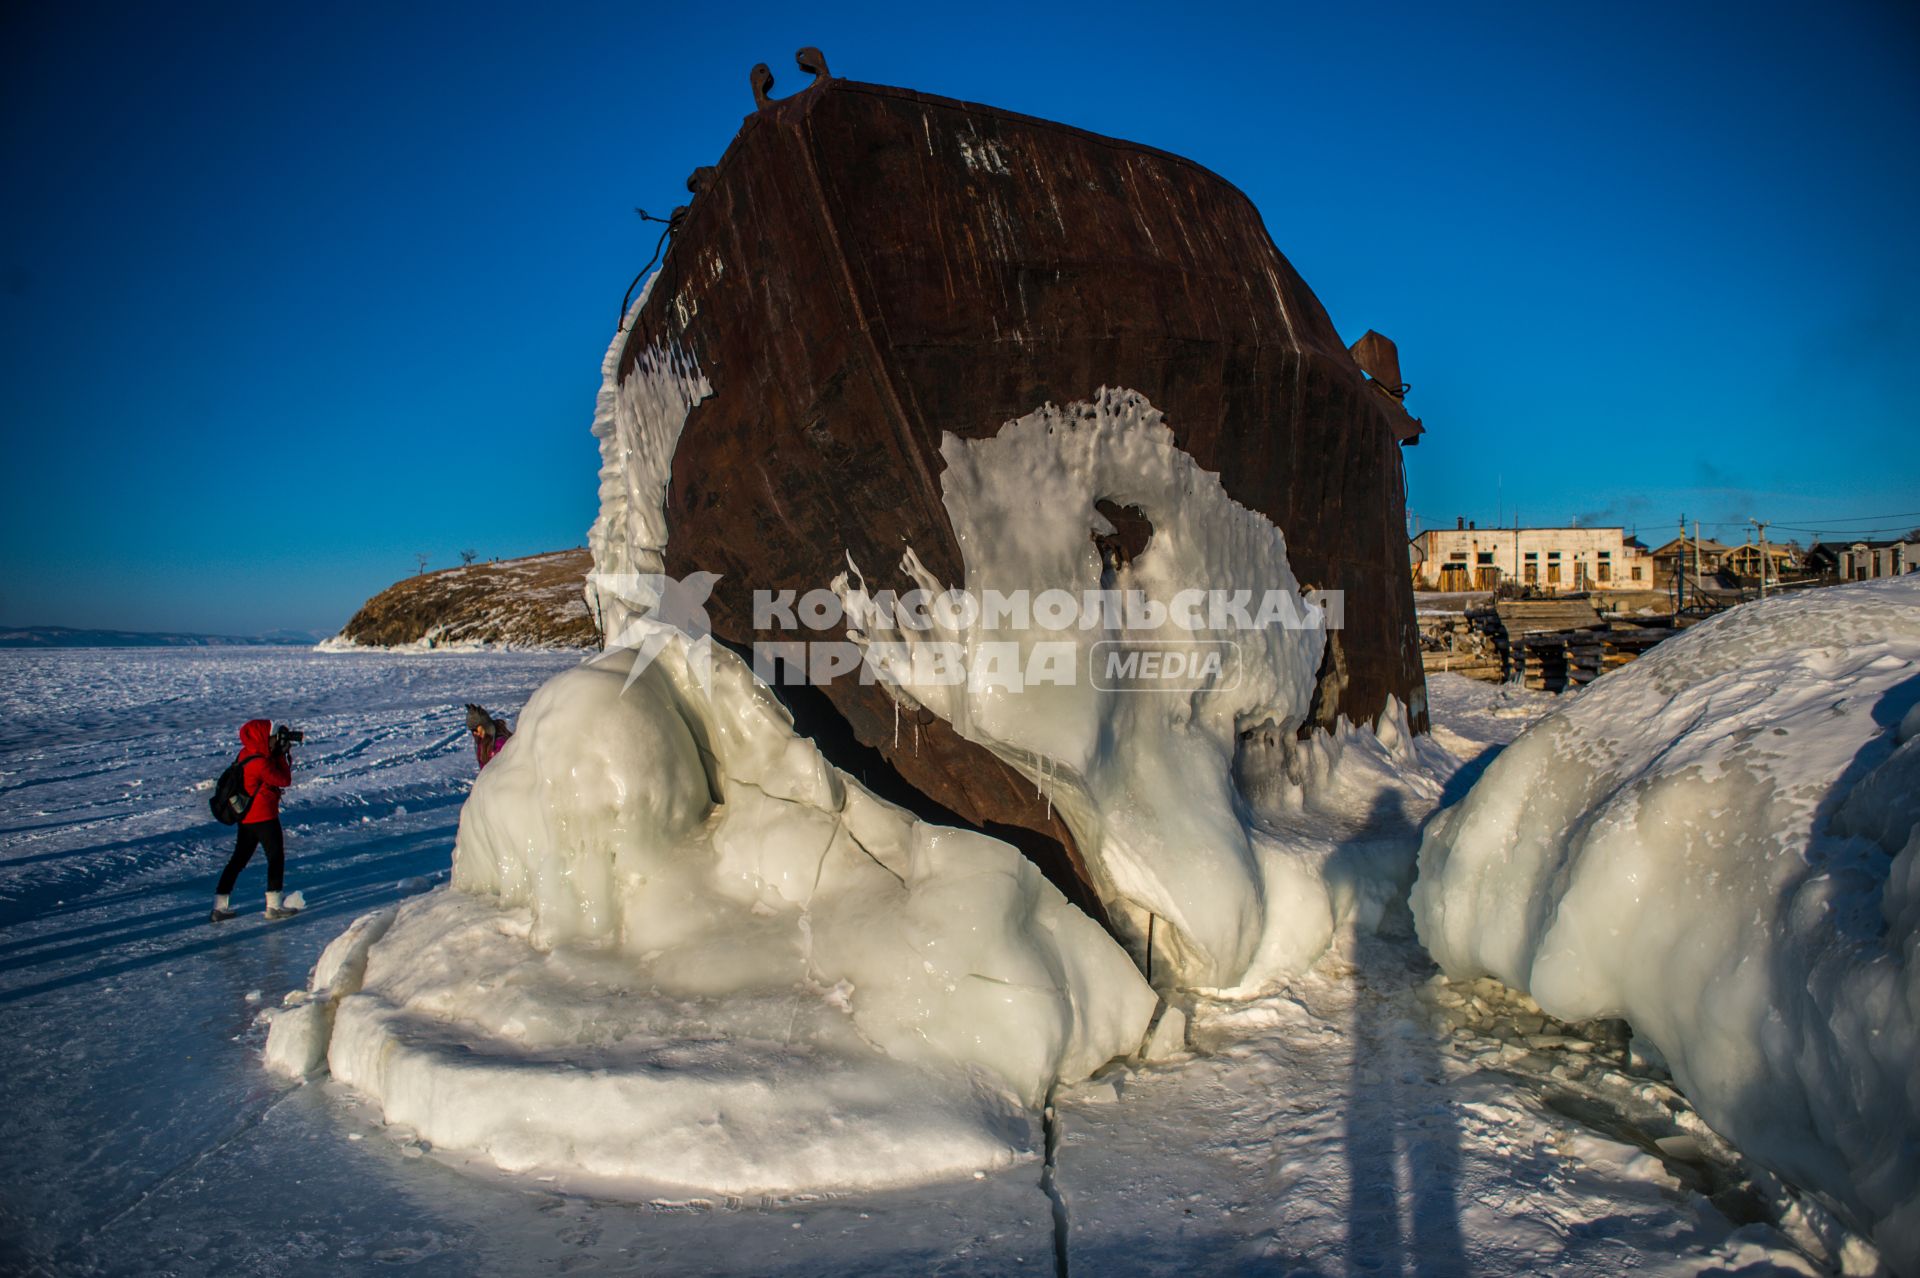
point(670, 223)
point(760, 80)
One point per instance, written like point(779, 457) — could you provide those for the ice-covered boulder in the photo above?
point(682, 949)
point(1719, 843)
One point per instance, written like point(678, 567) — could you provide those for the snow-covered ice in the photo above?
point(144, 1135)
point(1325, 1129)
point(1719, 844)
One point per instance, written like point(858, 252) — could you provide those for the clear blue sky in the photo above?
point(291, 292)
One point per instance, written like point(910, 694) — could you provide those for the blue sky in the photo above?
point(289, 293)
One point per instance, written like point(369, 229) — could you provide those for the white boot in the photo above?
point(222, 911)
point(275, 910)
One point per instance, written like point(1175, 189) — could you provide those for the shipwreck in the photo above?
point(869, 271)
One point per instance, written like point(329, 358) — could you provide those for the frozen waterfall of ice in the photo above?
point(1721, 843)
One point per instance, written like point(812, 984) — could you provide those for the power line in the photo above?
point(1849, 534)
point(1866, 519)
point(1811, 526)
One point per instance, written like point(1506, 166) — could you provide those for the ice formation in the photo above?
point(1721, 843)
point(638, 423)
point(682, 949)
point(1156, 778)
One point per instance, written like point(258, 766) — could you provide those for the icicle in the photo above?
point(896, 721)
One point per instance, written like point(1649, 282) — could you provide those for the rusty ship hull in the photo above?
point(868, 267)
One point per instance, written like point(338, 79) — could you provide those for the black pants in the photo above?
point(256, 834)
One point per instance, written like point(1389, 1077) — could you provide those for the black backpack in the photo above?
point(230, 800)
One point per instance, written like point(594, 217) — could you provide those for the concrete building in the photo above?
point(1550, 560)
point(1863, 560)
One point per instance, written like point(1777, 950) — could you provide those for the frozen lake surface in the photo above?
point(1337, 1126)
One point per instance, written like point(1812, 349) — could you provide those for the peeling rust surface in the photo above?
point(869, 268)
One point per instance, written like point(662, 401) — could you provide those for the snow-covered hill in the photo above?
point(535, 602)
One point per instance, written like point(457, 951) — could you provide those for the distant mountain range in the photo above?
point(69, 637)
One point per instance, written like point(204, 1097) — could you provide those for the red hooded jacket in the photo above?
point(265, 775)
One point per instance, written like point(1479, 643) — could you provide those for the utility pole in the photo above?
point(1680, 570)
point(1764, 563)
point(1696, 558)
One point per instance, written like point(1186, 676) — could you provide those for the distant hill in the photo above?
point(69, 637)
point(535, 602)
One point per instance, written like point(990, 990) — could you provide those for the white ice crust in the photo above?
point(1721, 843)
point(1153, 780)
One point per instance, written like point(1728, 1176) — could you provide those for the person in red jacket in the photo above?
point(267, 771)
point(489, 734)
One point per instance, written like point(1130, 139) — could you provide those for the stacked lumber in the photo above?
point(1550, 644)
point(1626, 643)
point(1528, 616)
point(1555, 660)
point(1452, 641)
point(1543, 660)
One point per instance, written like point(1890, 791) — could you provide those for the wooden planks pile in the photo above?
point(1553, 661)
point(1512, 624)
point(1453, 641)
point(1553, 644)
point(1528, 616)
point(1627, 643)
point(1543, 660)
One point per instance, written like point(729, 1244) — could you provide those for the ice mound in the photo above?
point(1720, 843)
point(1149, 775)
point(681, 949)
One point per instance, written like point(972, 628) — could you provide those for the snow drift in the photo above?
point(1721, 843)
point(681, 949)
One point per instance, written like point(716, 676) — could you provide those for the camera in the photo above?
point(284, 737)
